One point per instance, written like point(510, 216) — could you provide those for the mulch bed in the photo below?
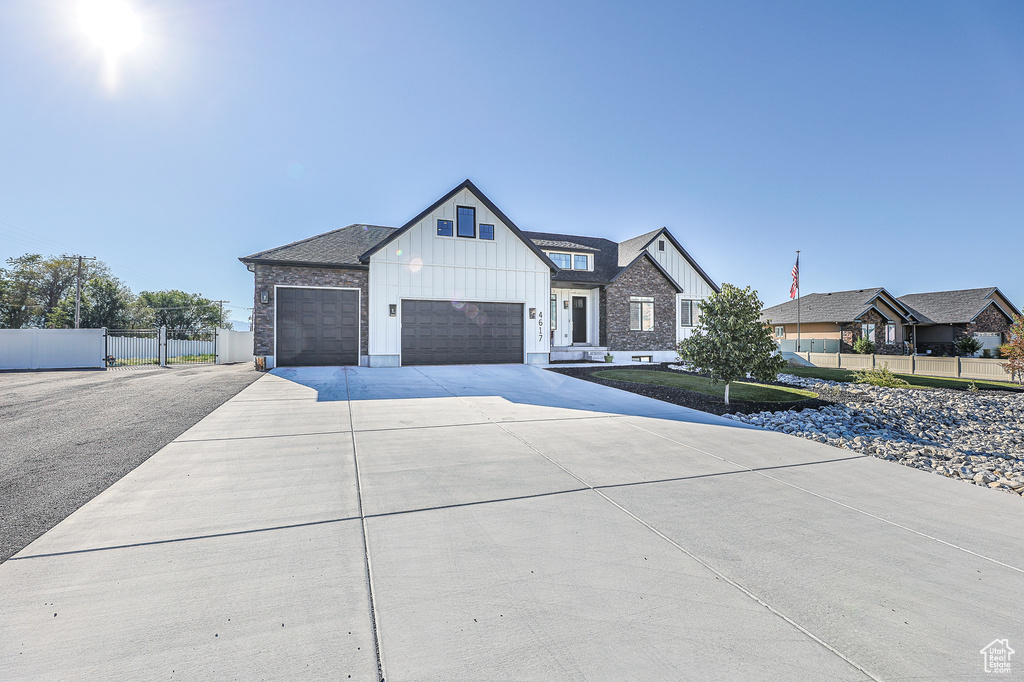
point(692, 399)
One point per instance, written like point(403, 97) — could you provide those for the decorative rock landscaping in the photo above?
point(974, 436)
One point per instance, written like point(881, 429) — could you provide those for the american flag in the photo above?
point(796, 278)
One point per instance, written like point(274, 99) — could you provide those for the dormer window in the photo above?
point(562, 260)
point(571, 261)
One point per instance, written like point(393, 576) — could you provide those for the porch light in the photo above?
point(264, 296)
point(393, 309)
point(533, 313)
point(565, 304)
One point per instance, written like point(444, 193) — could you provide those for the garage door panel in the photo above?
point(317, 327)
point(439, 332)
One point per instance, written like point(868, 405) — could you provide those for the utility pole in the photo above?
point(78, 289)
point(220, 320)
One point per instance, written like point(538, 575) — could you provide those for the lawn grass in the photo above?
point(915, 380)
point(738, 391)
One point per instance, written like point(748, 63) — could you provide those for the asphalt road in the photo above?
point(67, 436)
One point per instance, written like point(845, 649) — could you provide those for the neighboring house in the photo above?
point(461, 283)
point(832, 322)
point(943, 317)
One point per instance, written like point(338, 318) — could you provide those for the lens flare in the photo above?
point(112, 25)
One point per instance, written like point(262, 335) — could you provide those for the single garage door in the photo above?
point(317, 327)
point(463, 333)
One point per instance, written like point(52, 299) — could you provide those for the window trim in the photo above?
point(586, 259)
point(690, 303)
point(458, 231)
point(888, 326)
point(641, 301)
point(864, 331)
point(780, 331)
point(661, 245)
point(480, 231)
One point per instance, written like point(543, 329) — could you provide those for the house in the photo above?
point(832, 322)
point(943, 317)
point(461, 283)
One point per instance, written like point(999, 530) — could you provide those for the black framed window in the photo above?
point(486, 231)
point(661, 245)
point(686, 313)
point(466, 217)
point(641, 313)
point(444, 228)
point(580, 263)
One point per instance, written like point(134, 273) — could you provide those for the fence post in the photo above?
point(216, 345)
point(874, 361)
point(957, 366)
point(913, 365)
point(162, 346)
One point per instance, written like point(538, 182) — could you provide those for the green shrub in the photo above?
point(967, 345)
point(863, 346)
point(879, 376)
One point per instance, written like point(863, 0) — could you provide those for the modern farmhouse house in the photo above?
point(461, 283)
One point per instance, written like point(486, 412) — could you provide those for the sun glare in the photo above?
point(111, 24)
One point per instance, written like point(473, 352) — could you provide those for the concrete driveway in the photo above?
point(506, 522)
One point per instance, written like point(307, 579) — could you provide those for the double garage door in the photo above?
point(461, 333)
point(321, 327)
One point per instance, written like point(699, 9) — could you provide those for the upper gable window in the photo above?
point(661, 245)
point(562, 260)
point(486, 231)
point(466, 217)
point(444, 228)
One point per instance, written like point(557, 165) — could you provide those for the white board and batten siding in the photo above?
point(421, 265)
point(695, 287)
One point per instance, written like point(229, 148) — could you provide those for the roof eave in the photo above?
point(303, 264)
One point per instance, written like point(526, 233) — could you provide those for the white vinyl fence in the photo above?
point(234, 346)
point(86, 348)
point(51, 348)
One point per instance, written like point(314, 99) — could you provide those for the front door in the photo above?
point(579, 319)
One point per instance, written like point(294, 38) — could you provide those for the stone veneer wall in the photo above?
point(642, 279)
point(266, 276)
point(851, 331)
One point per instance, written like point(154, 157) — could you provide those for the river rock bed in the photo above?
point(973, 436)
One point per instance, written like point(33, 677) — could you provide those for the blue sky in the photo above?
point(884, 140)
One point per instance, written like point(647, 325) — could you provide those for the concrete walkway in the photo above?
point(506, 522)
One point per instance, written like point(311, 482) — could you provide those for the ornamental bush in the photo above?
point(879, 376)
point(863, 346)
point(967, 345)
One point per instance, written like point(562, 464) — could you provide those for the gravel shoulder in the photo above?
point(67, 436)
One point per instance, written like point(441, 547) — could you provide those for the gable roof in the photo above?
point(465, 184)
point(640, 244)
point(836, 306)
point(337, 248)
point(957, 306)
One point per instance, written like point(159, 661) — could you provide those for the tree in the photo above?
point(32, 289)
point(1013, 351)
point(106, 302)
point(967, 345)
point(730, 340)
point(183, 312)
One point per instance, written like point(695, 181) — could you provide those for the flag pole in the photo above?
point(798, 301)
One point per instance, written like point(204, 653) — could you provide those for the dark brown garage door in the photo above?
point(470, 333)
point(317, 327)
